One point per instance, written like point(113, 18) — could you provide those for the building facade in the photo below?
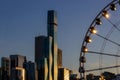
point(18, 73)
point(43, 57)
point(59, 58)
point(30, 71)
point(41, 44)
point(16, 61)
point(5, 66)
point(63, 74)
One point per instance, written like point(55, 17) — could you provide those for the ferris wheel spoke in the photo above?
point(115, 26)
point(101, 53)
point(90, 70)
point(108, 40)
point(108, 35)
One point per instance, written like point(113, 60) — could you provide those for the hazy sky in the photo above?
point(22, 20)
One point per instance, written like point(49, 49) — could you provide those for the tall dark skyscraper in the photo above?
point(52, 31)
point(46, 50)
point(41, 49)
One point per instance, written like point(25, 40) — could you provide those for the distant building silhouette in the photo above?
point(16, 61)
point(18, 73)
point(30, 71)
point(5, 66)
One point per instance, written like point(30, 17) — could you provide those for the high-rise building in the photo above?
point(18, 73)
point(30, 71)
point(16, 61)
point(5, 65)
point(46, 50)
point(59, 58)
point(52, 31)
point(43, 57)
point(41, 44)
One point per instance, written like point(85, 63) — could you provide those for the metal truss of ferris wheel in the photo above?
point(92, 30)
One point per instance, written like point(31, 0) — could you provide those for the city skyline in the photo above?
point(15, 17)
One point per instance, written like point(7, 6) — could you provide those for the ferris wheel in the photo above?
point(100, 50)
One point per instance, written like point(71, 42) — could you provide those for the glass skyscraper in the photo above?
point(52, 31)
point(46, 50)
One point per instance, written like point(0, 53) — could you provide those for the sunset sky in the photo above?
point(22, 20)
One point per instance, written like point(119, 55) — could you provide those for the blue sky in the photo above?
point(22, 20)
